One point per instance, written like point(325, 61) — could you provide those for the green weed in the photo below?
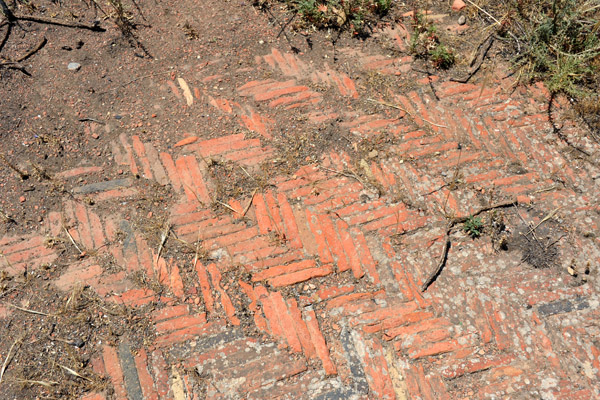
point(562, 46)
point(425, 43)
point(473, 227)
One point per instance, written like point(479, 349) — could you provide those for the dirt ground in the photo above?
point(179, 74)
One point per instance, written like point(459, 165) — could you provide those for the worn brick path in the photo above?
point(312, 284)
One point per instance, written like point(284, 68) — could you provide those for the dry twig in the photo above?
point(447, 243)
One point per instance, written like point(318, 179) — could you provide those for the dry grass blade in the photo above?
point(194, 193)
point(9, 356)
point(397, 107)
point(342, 173)
point(47, 384)
point(197, 250)
point(249, 203)
point(546, 218)
point(163, 240)
point(228, 206)
point(31, 311)
point(74, 373)
point(71, 238)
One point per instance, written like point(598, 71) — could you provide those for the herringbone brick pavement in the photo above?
point(310, 286)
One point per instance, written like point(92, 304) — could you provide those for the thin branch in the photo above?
point(31, 52)
point(50, 21)
point(455, 221)
point(441, 263)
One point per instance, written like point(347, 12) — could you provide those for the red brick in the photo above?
point(286, 321)
point(263, 218)
point(350, 249)
point(256, 87)
point(186, 141)
point(96, 230)
point(83, 226)
point(289, 219)
point(270, 312)
point(232, 238)
point(255, 249)
point(93, 396)
point(175, 283)
point(140, 151)
point(225, 300)
point(178, 323)
point(115, 194)
point(442, 347)
point(301, 329)
point(174, 89)
point(135, 297)
point(160, 373)
point(157, 169)
point(365, 256)
point(170, 312)
point(205, 287)
point(327, 293)
point(309, 243)
point(279, 92)
point(283, 269)
point(146, 381)
point(113, 368)
point(83, 273)
point(169, 165)
point(315, 227)
point(376, 370)
point(319, 342)
point(334, 243)
point(79, 171)
point(181, 335)
point(192, 180)
point(300, 276)
point(297, 98)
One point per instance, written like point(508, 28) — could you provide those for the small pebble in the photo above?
point(22, 199)
point(73, 66)
point(462, 20)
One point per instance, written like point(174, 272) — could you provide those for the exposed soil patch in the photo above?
point(53, 339)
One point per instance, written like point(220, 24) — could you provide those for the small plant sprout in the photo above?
point(473, 227)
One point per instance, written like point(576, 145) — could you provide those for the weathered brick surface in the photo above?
point(314, 291)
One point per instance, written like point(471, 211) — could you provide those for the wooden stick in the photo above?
point(441, 263)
